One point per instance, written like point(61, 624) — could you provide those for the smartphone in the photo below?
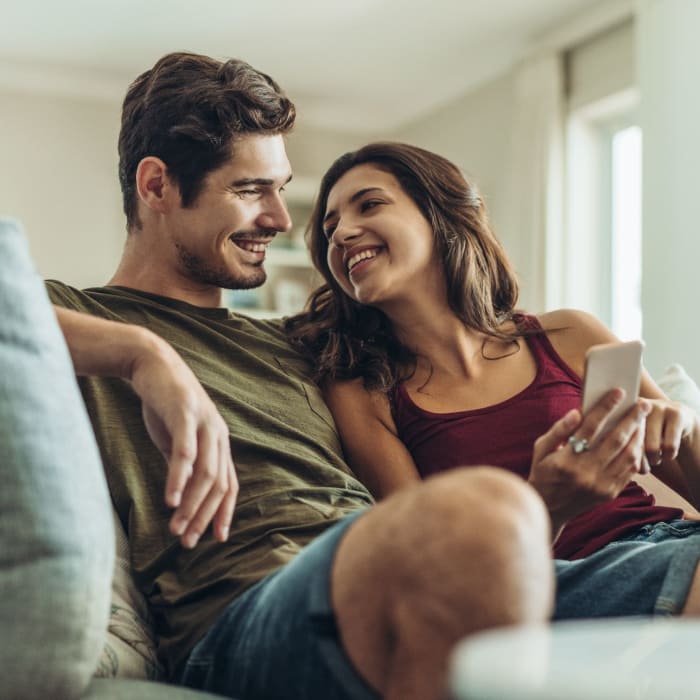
point(607, 367)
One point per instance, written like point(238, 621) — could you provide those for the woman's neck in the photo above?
point(439, 339)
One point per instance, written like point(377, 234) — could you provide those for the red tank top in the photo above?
point(504, 435)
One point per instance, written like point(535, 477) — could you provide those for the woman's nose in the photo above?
point(345, 233)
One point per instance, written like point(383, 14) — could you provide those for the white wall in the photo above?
point(603, 65)
point(474, 132)
point(59, 177)
point(59, 170)
point(312, 150)
point(668, 69)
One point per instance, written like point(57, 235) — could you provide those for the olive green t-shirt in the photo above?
point(293, 480)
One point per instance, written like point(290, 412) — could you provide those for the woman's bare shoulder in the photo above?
point(572, 332)
point(351, 394)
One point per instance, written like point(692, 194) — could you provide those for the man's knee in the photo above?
point(461, 526)
point(484, 513)
point(458, 553)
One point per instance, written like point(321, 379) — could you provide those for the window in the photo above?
point(626, 232)
point(603, 246)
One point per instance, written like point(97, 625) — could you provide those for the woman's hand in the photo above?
point(574, 469)
point(668, 424)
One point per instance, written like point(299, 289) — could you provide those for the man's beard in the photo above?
point(201, 272)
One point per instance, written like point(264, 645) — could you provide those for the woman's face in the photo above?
point(380, 246)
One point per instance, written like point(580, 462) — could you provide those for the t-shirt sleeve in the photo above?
point(63, 295)
point(68, 297)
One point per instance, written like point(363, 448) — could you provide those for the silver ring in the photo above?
point(578, 445)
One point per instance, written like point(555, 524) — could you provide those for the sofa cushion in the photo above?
point(56, 537)
point(130, 649)
point(679, 386)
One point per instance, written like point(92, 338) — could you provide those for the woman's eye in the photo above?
point(369, 204)
point(328, 232)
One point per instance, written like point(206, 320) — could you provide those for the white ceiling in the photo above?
point(348, 64)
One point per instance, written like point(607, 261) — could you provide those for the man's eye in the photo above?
point(247, 193)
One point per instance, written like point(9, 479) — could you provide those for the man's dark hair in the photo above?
point(187, 110)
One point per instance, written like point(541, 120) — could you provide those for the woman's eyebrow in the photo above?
point(354, 198)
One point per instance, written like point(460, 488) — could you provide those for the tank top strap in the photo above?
point(547, 358)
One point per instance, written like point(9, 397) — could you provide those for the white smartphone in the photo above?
point(607, 367)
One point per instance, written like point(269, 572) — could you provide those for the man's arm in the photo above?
point(181, 419)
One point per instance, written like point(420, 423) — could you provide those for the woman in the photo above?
point(427, 366)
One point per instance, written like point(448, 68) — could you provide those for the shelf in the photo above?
point(290, 272)
point(288, 257)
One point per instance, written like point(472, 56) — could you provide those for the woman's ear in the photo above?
point(155, 189)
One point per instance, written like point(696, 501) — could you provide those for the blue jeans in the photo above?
point(278, 640)
point(648, 572)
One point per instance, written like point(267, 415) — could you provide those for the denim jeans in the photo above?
point(648, 572)
point(279, 640)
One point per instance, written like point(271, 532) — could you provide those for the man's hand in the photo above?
point(186, 427)
point(181, 419)
point(572, 482)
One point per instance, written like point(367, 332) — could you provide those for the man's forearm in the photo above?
point(181, 419)
point(104, 348)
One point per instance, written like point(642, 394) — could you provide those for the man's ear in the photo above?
point(155, 189)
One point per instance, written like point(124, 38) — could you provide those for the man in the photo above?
point(312, 593)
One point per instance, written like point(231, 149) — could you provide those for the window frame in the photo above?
point(588, 242)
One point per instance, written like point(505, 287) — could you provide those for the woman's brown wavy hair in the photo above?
point(346, 339)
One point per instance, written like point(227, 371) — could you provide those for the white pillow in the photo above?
point(678, 386)
point(56, 539)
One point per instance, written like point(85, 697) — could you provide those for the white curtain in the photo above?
point(534, 238)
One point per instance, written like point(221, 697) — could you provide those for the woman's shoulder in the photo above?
point(571, 332)
point(574, 322)
point(351, 390)
point(350, 396)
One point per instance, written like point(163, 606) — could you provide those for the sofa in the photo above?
point(70, 628)
point(74, 626)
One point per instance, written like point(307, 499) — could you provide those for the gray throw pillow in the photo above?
point(56, 536)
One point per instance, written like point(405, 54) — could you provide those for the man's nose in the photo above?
point(275, 215)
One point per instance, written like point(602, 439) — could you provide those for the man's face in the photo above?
point(220, 241)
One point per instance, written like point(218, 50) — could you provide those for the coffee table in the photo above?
point(620, 659)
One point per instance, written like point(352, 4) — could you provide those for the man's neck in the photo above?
point(182, 289)
point(143, 267)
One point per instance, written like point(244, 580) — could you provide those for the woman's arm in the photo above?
point(369, 436)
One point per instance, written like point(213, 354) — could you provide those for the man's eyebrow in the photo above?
point(354, 198)
point(260, 181)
